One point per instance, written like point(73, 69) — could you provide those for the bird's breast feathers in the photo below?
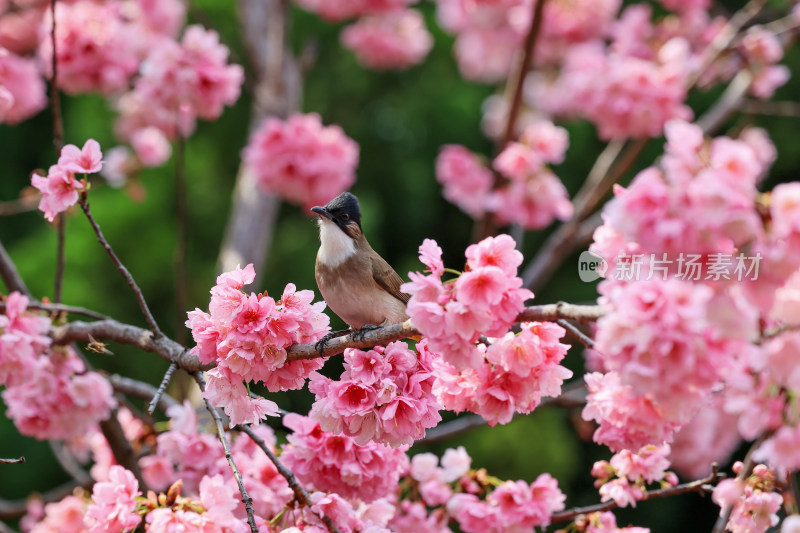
point(335, 245)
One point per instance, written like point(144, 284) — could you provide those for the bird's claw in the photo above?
point(323, 342)
point(363, 330)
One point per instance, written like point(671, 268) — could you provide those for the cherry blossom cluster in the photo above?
point(485, 299)
point(626, 72)
point(711, 436)
point(393, 41)
point(336, 463)
point(602, 522)
point(60, 189)
point(520, 369)
point(22, 89)
point(533, 196)
point(624, 95)
point(488, 34)
point(753, 502)
point(700, 199)
point(49, 394)
point(301, 160)
point(383, 395)
point(512, 506)
point(128, 51)
point(660, 341)
point(246, 336)
point(180, 82)
point(530, 195)
point(625, 476)
point(387, 35)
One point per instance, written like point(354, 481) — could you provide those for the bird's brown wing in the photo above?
point(385, 276)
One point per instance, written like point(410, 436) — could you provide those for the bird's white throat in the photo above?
point(336, 246)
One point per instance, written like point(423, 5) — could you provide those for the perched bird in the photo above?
point(356, 282)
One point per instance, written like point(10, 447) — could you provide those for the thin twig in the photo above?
point(10, 275)
point(575, 332)
point(140, 389)
point(151, 408)
point(121, 268)
point(700, 485)
point(246, 499)
point(300, 494)
point(18, 460)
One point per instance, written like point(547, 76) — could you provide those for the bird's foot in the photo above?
point(320, 345)
point(363, 330)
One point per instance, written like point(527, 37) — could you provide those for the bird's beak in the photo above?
point(321, 211)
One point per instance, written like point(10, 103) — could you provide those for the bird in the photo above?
point(356, 283)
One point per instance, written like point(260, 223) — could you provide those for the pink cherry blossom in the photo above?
point(301, 160)
point(753, 504)
point(484, 300)
point(151, 146)
point(396, 409)
point(336, 10)
point(60, 190)
point(113, 507)
point(628, 96)
point(57, 398)
point(179, 83)
point(22, 89)
point(247, 336)
point(86, 160)
point(324, 461)
point(625, 419)
point(396, 40)
point(465, 180)
point(65, 516)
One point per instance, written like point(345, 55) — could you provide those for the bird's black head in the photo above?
point(342, 210)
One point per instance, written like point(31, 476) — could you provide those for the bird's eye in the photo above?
point(345, 217)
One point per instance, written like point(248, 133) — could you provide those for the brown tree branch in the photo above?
point(383, 336)
point(115, 331)
point(700, 485)
point(16, 461)
point(173, 352)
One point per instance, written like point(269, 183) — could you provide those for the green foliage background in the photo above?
point(400, 121)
